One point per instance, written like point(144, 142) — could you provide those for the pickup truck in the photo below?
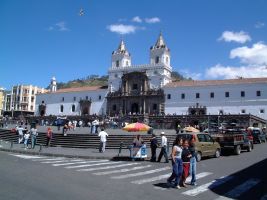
point(234, 139)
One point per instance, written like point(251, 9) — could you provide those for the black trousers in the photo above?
point(153, 154)
point(163, 151)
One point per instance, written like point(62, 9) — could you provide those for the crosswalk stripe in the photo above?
point(140, 173)
point(27, 156)
point(157, 178)
point(82, 162)
point(48, 159)
point(120, 170)
point(198, 176)
point(60, 161)
point(107, 167)
point(207, 186)
point(89, 165)
point(237, 191)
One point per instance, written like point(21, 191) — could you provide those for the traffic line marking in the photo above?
point(60, 161)
point(198, 176)
point(239, 190)
point(26, 156)
point(140, 173)
point(118, 171)
point(89, 165)
point(157, 178)
point(207, 186)
point(49, 159)
point(82, 162)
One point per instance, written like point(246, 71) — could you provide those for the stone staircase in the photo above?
point(83, 140)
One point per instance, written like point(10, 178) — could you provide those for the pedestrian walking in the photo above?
point(163, 150)
point(153, 146)
point(177, 163)
point(103, 139)
point(34, 135)
point(26, 139)
point(186, 155)
point(193, 160)
point(49, 136)
point(20, 132)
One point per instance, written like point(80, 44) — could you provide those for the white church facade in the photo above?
point(148, 89)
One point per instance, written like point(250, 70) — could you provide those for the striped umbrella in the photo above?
point(134, 127)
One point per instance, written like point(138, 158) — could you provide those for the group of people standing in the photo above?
point(25, 135)
point(183, 157)
point(183, 162)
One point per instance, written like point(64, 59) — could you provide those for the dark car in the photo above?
point(258, 135)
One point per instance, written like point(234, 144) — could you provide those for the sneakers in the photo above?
point(193, 184)
point(178, 187)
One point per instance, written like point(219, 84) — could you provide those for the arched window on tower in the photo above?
point(127, 63)
point(157, 60)
point(73, 108)
point(61, 108)
point(117, 63)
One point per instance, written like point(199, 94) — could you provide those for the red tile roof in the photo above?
point(79, 89)
point(216, 82)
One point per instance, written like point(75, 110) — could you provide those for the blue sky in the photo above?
point(208, 39)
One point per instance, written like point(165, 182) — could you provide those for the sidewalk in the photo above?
point(111, 154)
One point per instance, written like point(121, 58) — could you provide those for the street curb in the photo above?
point(58, 155)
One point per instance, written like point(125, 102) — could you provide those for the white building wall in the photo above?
point(234, 104)
point(54, 101)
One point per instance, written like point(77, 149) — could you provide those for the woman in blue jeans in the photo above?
point(193, 160)
point(177, 163)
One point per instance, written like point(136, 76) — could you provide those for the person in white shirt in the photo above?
point(20, 131)
point(103, 139)
point(34, 135)
point(26, 138)
point(163, 150)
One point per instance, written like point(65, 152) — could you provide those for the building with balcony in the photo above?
point(22, 100)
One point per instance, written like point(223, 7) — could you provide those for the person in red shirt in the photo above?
point(49, 135)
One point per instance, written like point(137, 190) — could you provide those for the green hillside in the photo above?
point(96, 80)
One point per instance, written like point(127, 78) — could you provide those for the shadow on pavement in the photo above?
point(249, 183)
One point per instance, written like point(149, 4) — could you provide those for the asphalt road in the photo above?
point(41, 178)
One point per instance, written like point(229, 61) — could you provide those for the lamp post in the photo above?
point(12, 111)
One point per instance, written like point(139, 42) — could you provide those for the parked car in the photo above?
point(205, 145)
point(258, 135)
point(235, 139)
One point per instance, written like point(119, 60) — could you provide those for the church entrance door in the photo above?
point(135, 108)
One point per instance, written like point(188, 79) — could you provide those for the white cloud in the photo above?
point(256, 55)
point(61, 26)
point(123, 29)
point(229, 72)
point(240, 37)
point(137, 19)
point(187, 74)
point(152, 20)
point(259, 25)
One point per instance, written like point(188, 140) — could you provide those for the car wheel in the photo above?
point(249, 148)
point(217, 153)
point(198, 156)
point(237, 149)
